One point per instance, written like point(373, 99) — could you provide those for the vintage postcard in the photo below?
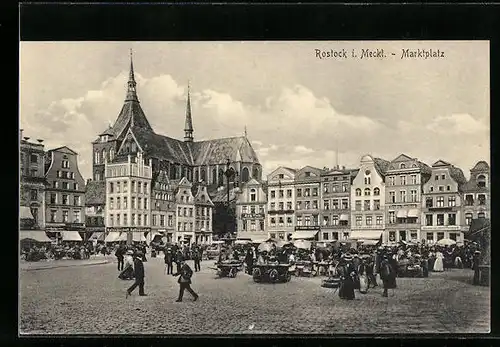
point(254, 188)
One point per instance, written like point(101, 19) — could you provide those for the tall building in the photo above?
point(335, 203)
point(404, 182)
point(368, 200)
point(251, 211)
point(95, 195)
point(162, 207)
point(65, 192)
point(128, 196)
point(185, 217)
point(307, 203)
point(32, 184)
point(442, 205)
point(477, 193)
point(204, 208)
point(281, 203)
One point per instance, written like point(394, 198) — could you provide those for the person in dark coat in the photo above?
point(184, 281)
point(249, 261)
point(387, 274)
point(475, 266)
point(120, 253)
point(178, 259)
point(370, 267)
point(197, 258)
point(346, 271)
point(139, 276)
point(169, 259)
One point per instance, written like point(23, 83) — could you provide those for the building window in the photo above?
point(77, 200)
point(76, 216)
point(307, 192)
point(335, 204)
point(441, 188)
point(428, 202)
point(413, 179)
point(125, 202)
point(367, 205)
point(326, 204)
point(367, 180)
point(65, 185)
point(307, 220)
point(280, 207)
point(273, 194)
point(440, 236)
point(452, 201)
point(65, 164)
point(369, 220)
point(288, 207)
point(335, 188)
point(65, 200)
point(335, 220)
point(307, 205)
point(299, 193)
point(431, 189)
point(273, 221)
point(452, 219)
point(402, 179)
point(468, 218)
point(358, 192)
point(440, 201)
point(402, 196)
point(111, 220)
point(469, 200)
point(392, 217)
point(335, 236)
point(53, 214)
point(133, 219)
point(481, 181)
point(59, 175)
point(155, 220)
point(392, 197)
point(443, 176)
point(170, 221)
point(345, 204)
point(65, 216)
point(273, 206)
point(118, 203)
point(281, 194)
point(325, 188)
point(253, 197)
point(391, 181)
point(146, 205)
point(139, 220)
point(33, 194)
point(244, 225)
point(413, 195)
point(376, 191)
point(482, 199)
point(481, 215)
point(428, 220)
point(430, 236)
point(358, 205)
point(111, 187)
point(392, 236)
point(289, 222)
point(346, 235)
point(436, 178)
point(179, 227)
point(133, 187)
point(281, 222)
point(288, 193)
point(326, 220)
point(75, 186)
point(315, 192)
point(359, 220)
point(53, 198)
point(376, 205)
point(325, 236)
point(162, 220)
point(440, 219)
point(367, 191)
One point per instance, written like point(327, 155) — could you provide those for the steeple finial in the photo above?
point(245, 131)
point(188, 127)
point(131, 91)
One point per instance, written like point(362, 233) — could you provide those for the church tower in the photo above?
point(188, 127)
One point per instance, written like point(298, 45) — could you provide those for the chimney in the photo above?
point(343, 167)
point(26, 138)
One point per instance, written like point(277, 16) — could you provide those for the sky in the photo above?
point(298, 109)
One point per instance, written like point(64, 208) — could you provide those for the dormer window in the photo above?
point(307, 174)
point(402, 166)
point(104, 138)
point(481, 181)
point(281, 176)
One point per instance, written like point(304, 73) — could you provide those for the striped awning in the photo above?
point(402, 214)
point(112, 236)
point(25, 213)
point(97, 236)
point(137, 236)
point(413, 213)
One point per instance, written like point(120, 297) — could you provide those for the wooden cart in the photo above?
point(271, 273)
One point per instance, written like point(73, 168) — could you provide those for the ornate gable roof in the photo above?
point(217, 151)
point(63, 149)
point(95, 193)
point(315, 172)
point(481, 166)
point(401, 158)
point(440, 163)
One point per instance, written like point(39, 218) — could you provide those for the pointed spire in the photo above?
point(188, 127)
point(131, 91)
point(245, 131)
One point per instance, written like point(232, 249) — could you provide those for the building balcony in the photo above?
point(280, 211)
point(411, 226)
point(441, 209)
point(440, 227)
point(308, 227)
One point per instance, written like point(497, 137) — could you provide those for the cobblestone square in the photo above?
point(91, 300)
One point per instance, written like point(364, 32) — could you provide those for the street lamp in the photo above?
point(229, 173)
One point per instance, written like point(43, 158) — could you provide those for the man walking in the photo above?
point(197, 259)
point(185, 281)
point(139, 275)
point(120, 252)
point(169, 259)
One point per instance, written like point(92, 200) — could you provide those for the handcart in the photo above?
point(271, 272)
point(228, 269)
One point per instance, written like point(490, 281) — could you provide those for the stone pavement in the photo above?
point(91, 300)
point(53, 264)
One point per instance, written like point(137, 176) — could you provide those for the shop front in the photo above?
point(126, 234)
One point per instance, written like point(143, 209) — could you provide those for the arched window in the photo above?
point(245, 175)
point(481, 215)
point(376, 191)
point(214, 176)
point(203, 175)
point(402, 166)
point(133, 147)
point(196, 178)
point(367, 191)
point(256, 173)
point(358, 192)
point(104, 155)
point(481, 181)
point(96, 157)
point(221, 177)
point(111, 154)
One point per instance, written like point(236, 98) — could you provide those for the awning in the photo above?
point(70, 235)
point(241, 242)
point(413, 213)
point(97, 236)
point(112, 236)
point(344, 217)
point(25, 213)
point(304, 235)
point(402, 214)
point(369, 242)
point(35, 235)
point(137, 236)
point(365, 234)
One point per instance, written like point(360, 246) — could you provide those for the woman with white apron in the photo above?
point(363, 278)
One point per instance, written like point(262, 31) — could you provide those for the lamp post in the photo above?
point(229, 173)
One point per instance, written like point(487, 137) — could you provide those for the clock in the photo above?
point(367, 172)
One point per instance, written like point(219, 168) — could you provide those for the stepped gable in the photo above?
point(217, 151)
point(95, 193)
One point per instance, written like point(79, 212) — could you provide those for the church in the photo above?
point(195, 160)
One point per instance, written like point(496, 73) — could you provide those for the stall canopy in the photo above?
point(97, 236)
point(413, 213)
point(366, 234)
point(304, 235)
point(112, 236)
point(34, 235)
point(137, 236)
point(402, 214)
point(70, 235)
point(25, 213)
point(302, 244)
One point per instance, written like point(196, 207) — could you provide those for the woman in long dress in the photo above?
point(438, 263)
point(346, 290)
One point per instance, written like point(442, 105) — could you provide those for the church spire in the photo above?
point(131, 91)
point(188, 127)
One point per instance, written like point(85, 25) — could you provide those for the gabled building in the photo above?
point(162, 207)
point(368, 200)
point(185, 216)
point(477, 193)
point(32, 184)
point(65, 191)
point(442, 204)
point(195, 160)
point(204, 208)
point(251, 211)
point(404, 182)
point(335, 203)
point(281, 203)
point(307, 203)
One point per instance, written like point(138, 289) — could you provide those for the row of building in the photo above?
point(144, 183)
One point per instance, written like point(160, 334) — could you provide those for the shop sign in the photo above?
point(128, 229)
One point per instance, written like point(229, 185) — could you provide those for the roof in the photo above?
point(131, 113)
point(62, 149)
point(458, 175)
point(381, 165)
point(217, 151)
point(477, 226)
point(481, 166)
point(95, 193)
point(221, 195)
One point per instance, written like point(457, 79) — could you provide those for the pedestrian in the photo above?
point(346, 272)
point(119, 254)
point(178, 259)
point(475, 266)
point(184, 281)
point(169, 259)
point(139, 275)
point(249, 261)
point(197, 259)
point(387, 274)
point(128, 271)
